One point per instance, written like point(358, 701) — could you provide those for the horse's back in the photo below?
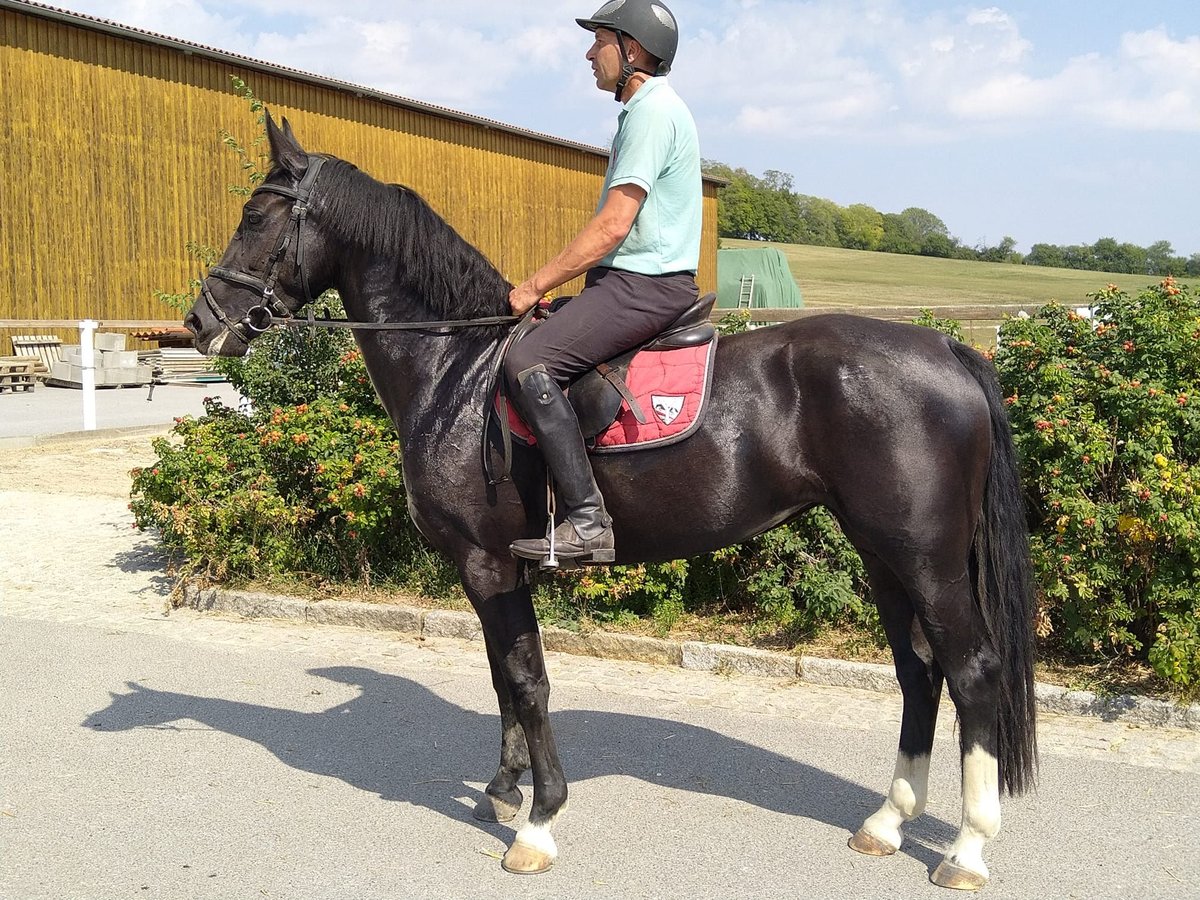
point(842, 367)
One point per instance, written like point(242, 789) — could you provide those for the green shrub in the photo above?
point(1104, 412)
point(312, 489)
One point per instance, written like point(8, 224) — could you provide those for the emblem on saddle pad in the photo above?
point(667, 408)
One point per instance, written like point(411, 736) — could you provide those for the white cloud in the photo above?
point(197, 21)
point(865, 68)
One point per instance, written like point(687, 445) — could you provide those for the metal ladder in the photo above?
point(746, 292)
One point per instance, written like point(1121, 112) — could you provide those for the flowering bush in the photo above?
point(312, 489)
point(798, 578)
point(1105, 410)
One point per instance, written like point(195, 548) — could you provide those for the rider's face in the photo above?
point(605, 57)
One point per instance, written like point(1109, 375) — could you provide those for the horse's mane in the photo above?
point(434, 262)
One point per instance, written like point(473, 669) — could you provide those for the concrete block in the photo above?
point(109, 340)
point(448, 623)
point(117, 359)
point(843, 673)
point(612, 646)
point(116, 376)
point(64, 371)
point(743, 660)
point(377, 616)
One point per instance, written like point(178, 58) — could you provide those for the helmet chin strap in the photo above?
point(628, 70)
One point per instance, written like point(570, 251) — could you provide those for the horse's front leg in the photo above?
point(498, 591)
point(502, 798)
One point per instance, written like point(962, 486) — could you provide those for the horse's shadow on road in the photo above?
point(403, 742)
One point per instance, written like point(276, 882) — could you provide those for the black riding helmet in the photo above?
point(648, 22)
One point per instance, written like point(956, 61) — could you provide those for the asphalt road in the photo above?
point(30, 416)
point(230, 759)
point(146, 754)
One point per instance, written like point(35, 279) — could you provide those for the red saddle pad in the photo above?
point(671, 386)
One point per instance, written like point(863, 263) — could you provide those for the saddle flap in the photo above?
point(596, 402)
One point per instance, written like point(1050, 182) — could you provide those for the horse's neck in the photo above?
point(430, 384)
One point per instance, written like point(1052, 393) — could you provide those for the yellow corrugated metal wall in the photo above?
point(110, 162)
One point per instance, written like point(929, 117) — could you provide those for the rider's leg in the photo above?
point(586, 532)
point(615, 311)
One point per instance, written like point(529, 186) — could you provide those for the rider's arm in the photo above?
point(598, 238)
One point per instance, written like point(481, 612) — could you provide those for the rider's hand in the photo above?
point(523, 298)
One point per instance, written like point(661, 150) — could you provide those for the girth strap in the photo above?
point(613, 377)
point(497, 388)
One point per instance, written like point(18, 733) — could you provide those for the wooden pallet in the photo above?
point(44, 349)
point(16, 374)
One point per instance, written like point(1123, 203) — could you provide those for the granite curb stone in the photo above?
point(605, 645)
point(694, 655)
point(725, 658)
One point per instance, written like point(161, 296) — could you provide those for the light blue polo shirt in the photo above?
point(656, 148)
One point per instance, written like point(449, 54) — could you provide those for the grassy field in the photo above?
point(830, 277)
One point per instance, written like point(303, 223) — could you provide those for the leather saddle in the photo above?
point(597, 395)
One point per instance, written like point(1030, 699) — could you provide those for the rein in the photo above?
point(290, 321)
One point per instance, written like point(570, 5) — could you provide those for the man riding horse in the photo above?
point(640, 252)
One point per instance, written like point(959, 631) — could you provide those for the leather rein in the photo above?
point(272, 311)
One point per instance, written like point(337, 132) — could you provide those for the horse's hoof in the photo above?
point(493, 809)
point(948, 875)
point(521, 859)
point(867, 843)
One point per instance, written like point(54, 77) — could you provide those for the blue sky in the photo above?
point(1054, 121)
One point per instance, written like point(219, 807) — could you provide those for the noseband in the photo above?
point(259, 318)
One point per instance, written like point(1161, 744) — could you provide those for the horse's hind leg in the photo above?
point(921, 683)
point(501, 800)
point(952, 620)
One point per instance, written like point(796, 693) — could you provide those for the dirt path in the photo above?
point(82, 467)
point(71, 550)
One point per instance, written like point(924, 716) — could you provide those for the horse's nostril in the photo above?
point(192, 323)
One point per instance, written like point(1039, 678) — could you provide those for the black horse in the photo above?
point(898, 430)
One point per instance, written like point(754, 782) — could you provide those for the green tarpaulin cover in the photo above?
point(774, 286)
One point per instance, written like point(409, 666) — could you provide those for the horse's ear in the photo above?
point(286, 151)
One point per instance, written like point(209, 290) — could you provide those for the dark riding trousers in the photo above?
point(615, 311)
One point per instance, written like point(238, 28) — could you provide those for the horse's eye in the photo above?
point(253, 217)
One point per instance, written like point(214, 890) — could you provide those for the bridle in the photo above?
point(260, 317)
point(273, 311)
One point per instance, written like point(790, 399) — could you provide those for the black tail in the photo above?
point(1005, 587)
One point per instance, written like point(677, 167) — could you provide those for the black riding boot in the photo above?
point(586, 533)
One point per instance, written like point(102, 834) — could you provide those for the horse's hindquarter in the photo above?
point(842, 411)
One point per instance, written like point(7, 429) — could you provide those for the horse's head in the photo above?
point(140, 708)
point(275, 261)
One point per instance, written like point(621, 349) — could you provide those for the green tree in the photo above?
point(923, 223)
point(860, 227)
point(939, 245)
point(818, 221)
point(1045, 255)
point(1161, 260)
point(898, 235)
point(1005, 251)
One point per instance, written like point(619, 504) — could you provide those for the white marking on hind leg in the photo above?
point(905, 800)
point(981, 811)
